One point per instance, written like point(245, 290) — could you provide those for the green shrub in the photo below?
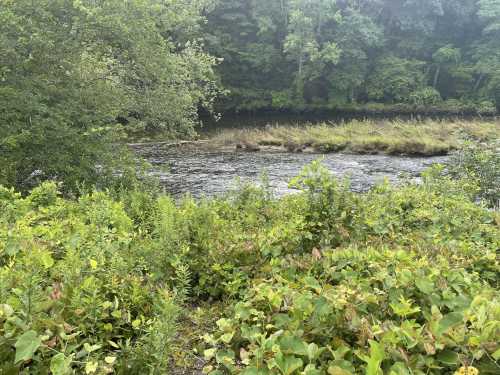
point(425, 97)
point(481, 165)
point(362, 311)
point(399, 279)
point(75, 294)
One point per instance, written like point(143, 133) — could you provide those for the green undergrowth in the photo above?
point(387, 137)
point(400, 280)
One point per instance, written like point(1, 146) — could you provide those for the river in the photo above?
point(204, 172)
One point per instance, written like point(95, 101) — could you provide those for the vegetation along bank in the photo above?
point(398, 280)
point(387, 137)
point(101, 273)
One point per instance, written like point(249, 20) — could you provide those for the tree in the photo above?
point(73, 72)
point(443, 57)
point(488, 50)
point(395, 79)
point(308, 54)
point(358, 37)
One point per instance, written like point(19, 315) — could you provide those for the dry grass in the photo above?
point(388, 137)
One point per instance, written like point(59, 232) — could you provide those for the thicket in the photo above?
point(399, 280)
point(75, 74)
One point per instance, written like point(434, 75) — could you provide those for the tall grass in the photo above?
point(431, 137)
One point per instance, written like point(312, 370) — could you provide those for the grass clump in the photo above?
point(388, 137)
point(397, 280)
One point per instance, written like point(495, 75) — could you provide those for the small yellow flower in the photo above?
point(469, 370)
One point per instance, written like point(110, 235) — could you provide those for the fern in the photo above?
point(182, 281)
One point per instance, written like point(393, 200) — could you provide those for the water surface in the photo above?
point(210, 173)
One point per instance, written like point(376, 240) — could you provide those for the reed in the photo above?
point(397, 137)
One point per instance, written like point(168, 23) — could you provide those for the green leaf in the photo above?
point(227, 337)
point(313, 352)
point(312, 283)
point(496, 355)
point(424, 285)
point(60, 365)
point(46, 259)
point(110, 360)
point(311, 370)
point(336, 370)
point(253, 371)
point(399, 368)
point(448, 358)
point(91, 367)
point(26, 346)
point(209, 354)
point(448, 321)
point(287, 364)
point(341, 364)
point(377, 355)
point(293, 345)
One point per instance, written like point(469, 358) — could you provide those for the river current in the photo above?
point(204, 172)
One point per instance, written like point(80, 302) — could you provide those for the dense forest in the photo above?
point(305, 54)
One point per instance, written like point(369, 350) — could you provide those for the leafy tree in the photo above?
point(443, 57)
point(395, 79)
point(74, 72)
point(305, 54)
point(488, 50)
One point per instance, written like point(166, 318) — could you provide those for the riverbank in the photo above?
point(413, 138)
point(120, 282)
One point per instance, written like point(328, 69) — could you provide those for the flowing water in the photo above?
point(203, 172)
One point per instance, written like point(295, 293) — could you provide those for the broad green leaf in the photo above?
point(287, 364)
point(448, 358)
point(209, 353)
point(60, 365)
point(293, 345)
point(26, 346)
point(377, 355)
point(46, 259)
point(425, 285)
point(336, 370)
point(91, 367)
point(342, 364)
point(399, 368)
point(254, 371)
point(496, 355)
point(311, 370)
point(110, 360)
point(450, 320)
point(313, 352)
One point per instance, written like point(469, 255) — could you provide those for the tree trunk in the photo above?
point(436, 76)
point(301, 63)
point(478, 82)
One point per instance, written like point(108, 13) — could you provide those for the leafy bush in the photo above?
point(481, 165)
point(409, 286)
point(82, 71)
point(399, 279)
point(75, 294)
point(367, 311)
point(426, 96)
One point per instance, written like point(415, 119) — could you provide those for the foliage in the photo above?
point(363, 311)
point(482, 165)
point(75, 293)
point(325, 53)
point(397, 279)
point(73, 73)
point(389, 137)
point(411, 286)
